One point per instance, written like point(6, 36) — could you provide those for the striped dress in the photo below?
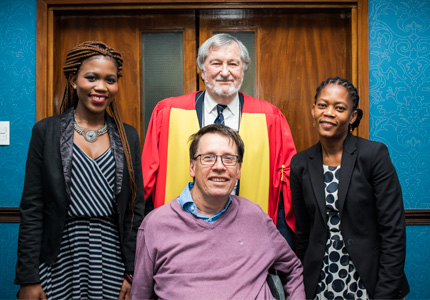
point(89, 265)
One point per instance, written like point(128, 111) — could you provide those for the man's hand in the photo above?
point(32, 292)
point(125, 291)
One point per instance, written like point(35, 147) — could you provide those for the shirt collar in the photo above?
point(185, 196)
point(186, 202)
point(210, 104)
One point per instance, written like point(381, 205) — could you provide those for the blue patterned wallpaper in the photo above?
point(399, 54)
point(9, 243)
point(399, 71)
point(17, 92)
point(399, 51)
point(17, 105)
point(418, 261)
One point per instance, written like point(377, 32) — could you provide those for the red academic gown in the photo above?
point(265, 172)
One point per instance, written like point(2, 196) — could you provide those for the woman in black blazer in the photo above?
point(347, 200)
point(83, 193)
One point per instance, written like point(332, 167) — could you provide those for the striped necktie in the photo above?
point(220, 118)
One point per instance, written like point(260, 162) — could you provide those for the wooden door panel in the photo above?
point(118, 32)
point(295, 50)
point(123, 31)
point(176, 21)
point(226, 20)
point(161, 22)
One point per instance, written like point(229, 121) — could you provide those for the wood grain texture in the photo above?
point(116, 31)
point(122, 32)
point(9, 215)
point(312, 48)
point(363, 65)
point(41, 60)
point(295, 51)
point(298, 44)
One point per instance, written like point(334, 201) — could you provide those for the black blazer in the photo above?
point(371, 213)
point(46, 195)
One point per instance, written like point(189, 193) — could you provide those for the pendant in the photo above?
point(90, 136)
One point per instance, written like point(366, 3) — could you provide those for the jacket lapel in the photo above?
point(200, 96)
point(347, 166)
point(118, 152)
point(66, 147)
point(317, 178)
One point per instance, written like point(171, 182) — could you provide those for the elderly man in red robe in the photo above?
point(222, 61)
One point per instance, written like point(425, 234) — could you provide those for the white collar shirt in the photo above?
point(231, 112)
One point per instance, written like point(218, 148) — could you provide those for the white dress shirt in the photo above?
point(231, 113)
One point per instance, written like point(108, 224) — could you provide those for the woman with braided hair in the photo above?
point(347, 199)
point(82, 201)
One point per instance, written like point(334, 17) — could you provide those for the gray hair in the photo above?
point(219, 40)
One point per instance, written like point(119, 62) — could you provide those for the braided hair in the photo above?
point(352, 92)
point(74, 59)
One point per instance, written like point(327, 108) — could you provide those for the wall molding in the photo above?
point(417, 216)
point(9, 215)
point(413, 216)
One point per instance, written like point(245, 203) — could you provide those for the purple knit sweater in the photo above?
point(182, 257)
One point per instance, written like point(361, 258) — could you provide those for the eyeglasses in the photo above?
point(210, 159)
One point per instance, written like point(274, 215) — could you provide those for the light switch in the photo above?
point(4, 133)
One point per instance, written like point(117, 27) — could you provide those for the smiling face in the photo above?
point(213, 184)
point(223, 73)
point(96, 84)
point(333, 111)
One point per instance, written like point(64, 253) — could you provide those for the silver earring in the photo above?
point(74, 86)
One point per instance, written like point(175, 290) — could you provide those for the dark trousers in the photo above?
point(282, 226)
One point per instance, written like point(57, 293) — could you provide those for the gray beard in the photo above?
point(231, 92)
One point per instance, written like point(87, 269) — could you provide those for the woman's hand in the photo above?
point(32, 291)
point(125, 291)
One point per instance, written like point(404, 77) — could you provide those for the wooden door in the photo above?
point(124, 32)
point(294, 51)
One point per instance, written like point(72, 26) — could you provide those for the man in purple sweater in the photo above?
point(208, 244)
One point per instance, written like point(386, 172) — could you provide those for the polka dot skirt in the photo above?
point(338, 278)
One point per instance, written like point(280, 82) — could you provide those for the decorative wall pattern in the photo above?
point(17, 92)
point(399, 54)
point(418, 261)
point(17, 105)
point(9, 243)
point(399, 71)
